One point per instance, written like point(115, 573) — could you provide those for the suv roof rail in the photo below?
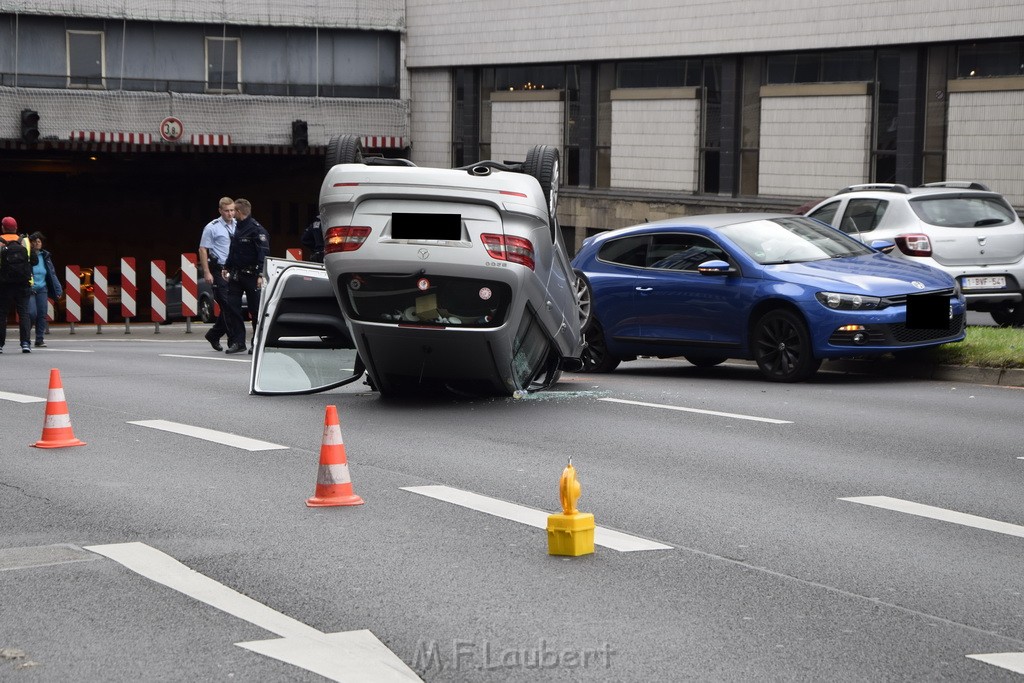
point(963, 184)
point(888, 187)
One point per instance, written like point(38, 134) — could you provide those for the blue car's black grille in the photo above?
point(897, 334)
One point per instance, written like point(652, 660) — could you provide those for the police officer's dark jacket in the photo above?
point(250, 245)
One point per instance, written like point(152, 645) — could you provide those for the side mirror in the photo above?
point(884, 246)
point(716, 267)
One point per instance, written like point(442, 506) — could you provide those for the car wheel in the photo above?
point(595, 355)
point(1009, 317)
point(542, 163)
point(344, 149)
point(782, 347)
point(584, 301)
point(705, 361)
point(205, 310)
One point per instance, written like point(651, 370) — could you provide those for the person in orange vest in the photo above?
point(17, 258)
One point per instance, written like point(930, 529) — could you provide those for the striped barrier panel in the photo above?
point(158, 291)
point(128, 289)
point(73, 292)
point(293, 254)
point(189, 286)
point(99, 295)
point(49, 310)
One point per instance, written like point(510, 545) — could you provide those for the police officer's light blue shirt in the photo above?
point(217, 238)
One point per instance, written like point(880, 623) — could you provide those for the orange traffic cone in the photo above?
point(333, 483)
point(57, 431)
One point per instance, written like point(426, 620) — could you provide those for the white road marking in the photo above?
point(50, 349)
point(225, 438)
point(616, 540)
point(20, 398)
point(348, 656)
point(1013, 661)
point(220, 358)
point(940, 514)
point(735, 416)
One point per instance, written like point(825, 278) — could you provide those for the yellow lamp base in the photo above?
point(571, 535)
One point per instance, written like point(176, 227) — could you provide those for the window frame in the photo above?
point(211, 85)
point(85, 82)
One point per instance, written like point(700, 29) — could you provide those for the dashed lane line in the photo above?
point(20, 398)
point(735, 416)
point(220, 358)
point(608, 538)
point(940, 514)
point(224, 438)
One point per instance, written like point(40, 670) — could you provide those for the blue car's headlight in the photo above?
point(848, 302)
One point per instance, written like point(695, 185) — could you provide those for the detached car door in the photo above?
point(302, 343)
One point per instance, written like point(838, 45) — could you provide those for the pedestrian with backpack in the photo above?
point(17, 258)
point(45, 285)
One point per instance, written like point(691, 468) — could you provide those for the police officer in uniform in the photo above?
point(243, 270)
point(213, 252)
point(313, 240)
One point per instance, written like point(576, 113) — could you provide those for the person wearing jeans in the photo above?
point(45, 285)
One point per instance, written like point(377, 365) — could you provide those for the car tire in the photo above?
point(542, 163)
point(344, 149)
point(205, 309)
point(595, 354)
point(705, 361)
point(1009, 317)
point(584, 301)
point(782, 347)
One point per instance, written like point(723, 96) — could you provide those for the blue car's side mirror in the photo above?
point(716, 267)
point(884, 246)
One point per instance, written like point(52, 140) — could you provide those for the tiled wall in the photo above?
point(516, 126)
point(431, 105)
point(811, 146)
point(986, 140)
point(655, 143)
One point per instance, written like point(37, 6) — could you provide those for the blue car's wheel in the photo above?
point(782, 347)
point(595, 355)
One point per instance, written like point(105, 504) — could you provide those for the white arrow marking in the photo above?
point(940, 514)
point(348, 656)
point(1014, 661)
point(735, 416)
point(616, 540)
point(225, 438)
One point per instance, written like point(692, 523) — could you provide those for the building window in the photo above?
point(223, 64)
point(982, 60)
point(820, 67)
point(86, 64)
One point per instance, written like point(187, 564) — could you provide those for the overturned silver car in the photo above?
point(452, 279)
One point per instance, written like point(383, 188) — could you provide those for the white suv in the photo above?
point(962, 228)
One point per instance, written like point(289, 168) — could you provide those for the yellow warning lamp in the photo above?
point(572, 532)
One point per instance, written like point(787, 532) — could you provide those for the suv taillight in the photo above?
point(514, 249)
point(345, 238)
point(915, 244)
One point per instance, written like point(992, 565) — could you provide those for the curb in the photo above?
point(1006, 377)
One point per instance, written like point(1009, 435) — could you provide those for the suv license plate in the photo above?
point(991, 282)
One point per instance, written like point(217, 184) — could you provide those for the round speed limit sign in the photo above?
point(171, 129)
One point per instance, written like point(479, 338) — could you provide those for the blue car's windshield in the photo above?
point(791, 240)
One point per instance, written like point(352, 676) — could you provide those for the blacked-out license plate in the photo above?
point(426, 226)
point(928, 312)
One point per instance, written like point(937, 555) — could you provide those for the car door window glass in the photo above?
point(682, 252)
point(863, 215)
point(827, 213)
point(628, 251)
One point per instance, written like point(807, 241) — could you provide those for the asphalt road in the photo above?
point(850, 528)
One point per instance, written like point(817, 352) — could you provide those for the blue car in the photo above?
point(786, 291)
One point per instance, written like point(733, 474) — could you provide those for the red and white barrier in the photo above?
point(99, 295)
point(49, 310)
point(73, 292)
point(158, 291)
point(293, 254)
point(189, 286)
point(128, 290)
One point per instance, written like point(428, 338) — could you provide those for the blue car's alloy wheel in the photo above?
point(782, 347)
